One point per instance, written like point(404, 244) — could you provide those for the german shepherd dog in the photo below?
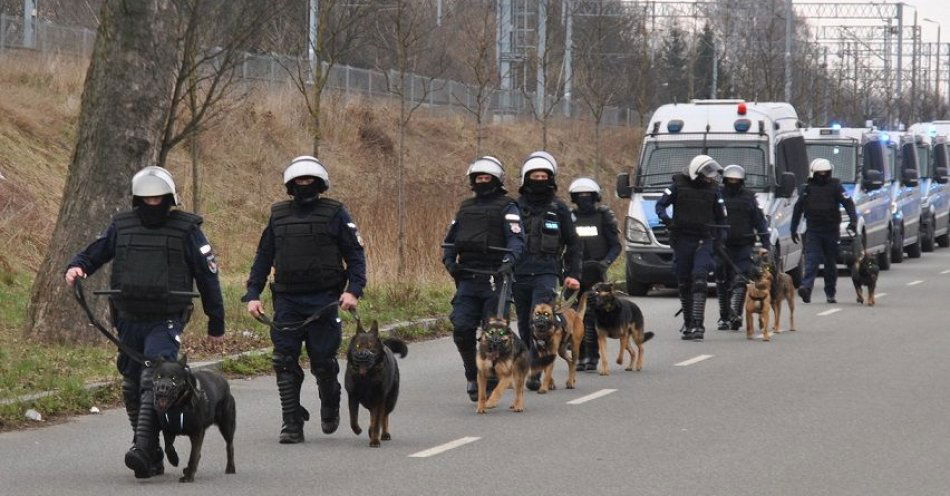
point(758, 300)
point(502, 352)
point(372, 380)
point(553, 329)
point(864, 271)
point(780, 288)
point(616, 316)
point(187, 403)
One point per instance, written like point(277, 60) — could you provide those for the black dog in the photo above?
point(864, 272)
point(616, 316)
point(187, 404)
point(372, 380)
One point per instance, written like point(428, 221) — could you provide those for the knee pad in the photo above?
point(286, 364)
point(130, 389)
point(464, 337)
point(324, 369)
point(699, 285)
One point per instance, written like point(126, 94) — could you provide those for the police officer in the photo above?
point(698, 214)
point(746, 222)
point(819, 201)
point(484, 223)
point(599, 237)
point(154, 250)
point(552, 249)
point(317, 255)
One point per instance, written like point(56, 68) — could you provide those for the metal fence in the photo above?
point(350, 81)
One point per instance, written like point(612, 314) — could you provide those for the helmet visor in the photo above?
point(711, 170)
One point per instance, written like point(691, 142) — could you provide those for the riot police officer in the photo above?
point(317, 254)
point(599, 237)
point(552, 249)
point(818, 201)
point(746, 222)
point(698, 216)
point(155, 252)
point(485, 237)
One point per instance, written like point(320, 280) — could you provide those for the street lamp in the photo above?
point(926, 19)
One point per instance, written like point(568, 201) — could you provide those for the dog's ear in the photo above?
point(374, 329)
point(359, 327)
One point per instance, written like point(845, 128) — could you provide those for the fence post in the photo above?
point(3, 32)
point(346, 79)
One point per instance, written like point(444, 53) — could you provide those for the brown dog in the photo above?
point(864, 272)
point(616, 316)
point(553, 328)
point(758, 300)
point(502, 352)
point(783, 289)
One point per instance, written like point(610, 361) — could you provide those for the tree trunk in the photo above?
point(195, 175)
point(126, 94)
point(315, 113)
point(401, 186)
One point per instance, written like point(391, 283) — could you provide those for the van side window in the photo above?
point(792, 156)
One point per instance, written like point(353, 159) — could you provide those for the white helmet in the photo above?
point(537, 163)
point(584, 185)
point(306, 165)
point(734, 172)
point(154, 181)
point(545, 155)
point(819, 165)
point(703, 165)
point(487, 165)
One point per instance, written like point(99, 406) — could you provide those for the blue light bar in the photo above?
point(836, 126)
point(674, 126)
point(742, 125)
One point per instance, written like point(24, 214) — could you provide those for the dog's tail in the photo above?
point(397, 346)
point(582, 304)
point(647, 336)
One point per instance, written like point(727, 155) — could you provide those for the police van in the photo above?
point(904, 184)
point(858, 158)
point(764, 138)
point(932, 153)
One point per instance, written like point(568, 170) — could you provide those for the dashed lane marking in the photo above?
point(946, 271)
point(592, 396)
point(879, 295)
point(442, 448)
point(693, 360)
point(829, 312)
point(914, 283)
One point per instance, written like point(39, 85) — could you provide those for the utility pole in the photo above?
point(542, 50)
point(900, 62)
point(567, 14)
point(789, 26)
point(937, 83)
point(915, 54)
point(503, 35)
point(438, 13)
point(312, 37)
point(29, 14)
point(715, 71)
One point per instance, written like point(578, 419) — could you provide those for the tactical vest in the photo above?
point(149, 263)
point(307, 256)
point(542, 230)
point(591, 228)
point(821, 202)
point(481, 224)
point(695, 207)
point(740, 214)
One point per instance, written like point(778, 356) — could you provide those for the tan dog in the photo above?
point(783, 289)
point(758, 300)
point(552, 335)
point(502, 352)
point(616, 316)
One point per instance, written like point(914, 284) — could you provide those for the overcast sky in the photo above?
point(938, 10)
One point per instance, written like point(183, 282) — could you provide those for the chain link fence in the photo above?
point(438, 93)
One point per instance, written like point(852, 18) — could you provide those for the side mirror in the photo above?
point(786, 185)
point(910, 177)
point(941, 175)
point(623, 185)
point(872, 179)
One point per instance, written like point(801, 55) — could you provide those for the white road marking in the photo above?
point(592, 396)
point(693, 360)
point(914, 283)
point(829, 312)
point(946, 271)
point(880, 295)
point(444, 447)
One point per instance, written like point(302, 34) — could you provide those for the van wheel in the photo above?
point(884, 258)
point(927, 236)
point(635, 288)
point(913, 251)
point(897, 246)
point(943, 240)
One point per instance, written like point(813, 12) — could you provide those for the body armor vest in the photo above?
point(307, 256)
point(149, 263)
point(590, 229)
point(481, 224)
point(542, 230)
point(821, 203)
point(694, 208)
point(739, 214)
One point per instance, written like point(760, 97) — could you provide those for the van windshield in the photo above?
point(843, 158)
point(663, 159)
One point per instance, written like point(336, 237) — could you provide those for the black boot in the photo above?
point(465, 344)
point(697, 315)
point(590, 343)
point(292, 414)
point(725, 312)
point(581, 359)
point(329, 390)
point(805, 293)
point(471, 388)
point(130, 397)
point(145, 457)
point(686, 303)
point(738, 299)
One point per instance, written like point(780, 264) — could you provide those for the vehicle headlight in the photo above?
point(893, 208)
point(637, 232)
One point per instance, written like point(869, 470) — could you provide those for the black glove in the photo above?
point(453, 270)
point(507, 267)
point(795, 238)
point(604, 265)
point(852, 227)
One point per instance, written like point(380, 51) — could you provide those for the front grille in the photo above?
point(662, 235)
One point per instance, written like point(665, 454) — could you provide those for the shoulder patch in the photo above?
point(511, 217)
point(206, 249)
point(667, 191)
point(356, 232)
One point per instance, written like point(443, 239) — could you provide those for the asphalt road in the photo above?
point(854, 402)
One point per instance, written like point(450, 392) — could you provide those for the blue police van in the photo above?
point(904, 185)
point(932, 154)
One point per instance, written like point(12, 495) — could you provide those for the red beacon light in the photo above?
point(742, 109)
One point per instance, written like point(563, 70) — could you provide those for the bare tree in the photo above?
point(127, 92)
point(406, 44)
point(549, 91)
point(475, 52)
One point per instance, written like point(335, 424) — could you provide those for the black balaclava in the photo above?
point(153, 215)
point(586, 202)
point(732, 188)
point(539, 190)
point(483, 190)
point(822, 177)
point(306, 194)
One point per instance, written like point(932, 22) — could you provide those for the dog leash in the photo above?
point(133, 354)
point(293, 326)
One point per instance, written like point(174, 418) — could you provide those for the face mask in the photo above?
point(485, 189)
point(733, 188)
point(304, 194)
point(822, 178)
point(153, 215)
point(538, 188)
point(585, 204)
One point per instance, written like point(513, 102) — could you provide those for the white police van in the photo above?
point(764, 138)
point(858, 158)
point(933, 155)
